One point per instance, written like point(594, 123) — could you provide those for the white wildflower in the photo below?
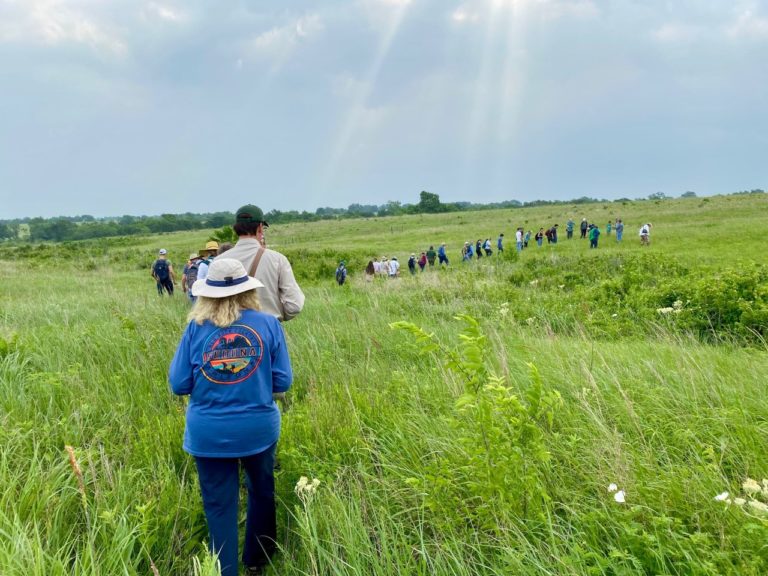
point(758, 506)
point(530, 321)
point(722, 497)
point(301, 484)
point(677, 304)
point(739, 501)
point(561, 286)
point(620, 497)
point(612, 487)
point(664, 310)
point(751, 486)
point(305, 489)
point(614, 315)
point(533, 282)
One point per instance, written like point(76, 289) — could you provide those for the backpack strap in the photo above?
point(255, 264)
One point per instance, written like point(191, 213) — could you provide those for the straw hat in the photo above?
point(226, 277)
point(211, 246)
point(194, 256)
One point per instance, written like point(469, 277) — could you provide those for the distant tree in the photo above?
point(429, 203)
point(225, 234)
point(391, 208)
point(658, 196)
point(688, 194)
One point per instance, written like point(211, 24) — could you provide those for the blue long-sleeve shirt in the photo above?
point(230, 374)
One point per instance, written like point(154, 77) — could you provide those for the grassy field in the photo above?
point(484, 444)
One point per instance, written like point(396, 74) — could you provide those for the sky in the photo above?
point(112, 107)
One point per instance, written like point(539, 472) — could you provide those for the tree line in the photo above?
point(84, 227)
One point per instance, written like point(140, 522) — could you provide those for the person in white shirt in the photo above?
point(280, 296)
point(394, 267)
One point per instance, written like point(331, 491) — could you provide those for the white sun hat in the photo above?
point(226, 277)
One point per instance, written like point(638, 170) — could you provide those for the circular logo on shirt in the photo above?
point(232, 354)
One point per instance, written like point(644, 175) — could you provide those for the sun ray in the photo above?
point(352, 121)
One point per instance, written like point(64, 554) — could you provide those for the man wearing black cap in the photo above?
point(281, 295)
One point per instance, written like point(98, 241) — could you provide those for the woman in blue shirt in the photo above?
point(230, 361)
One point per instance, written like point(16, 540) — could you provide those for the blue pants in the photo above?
point(618, 235)
point(220, 487)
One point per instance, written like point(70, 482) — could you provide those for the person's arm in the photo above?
point(170, 273)
point(282, 374)
point(290, 295)
point(180, 373)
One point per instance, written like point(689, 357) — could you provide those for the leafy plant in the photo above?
point(503, 459)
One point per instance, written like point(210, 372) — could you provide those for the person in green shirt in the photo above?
point(431, 255)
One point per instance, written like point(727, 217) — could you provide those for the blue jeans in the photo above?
point(519, 246)
point(618, 235)
point(220, 487)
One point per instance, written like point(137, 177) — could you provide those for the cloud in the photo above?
point(748, 25)
point(56, 22)
point(278, 43)
point(156, 11)
point(546, 10)
point(676, 33)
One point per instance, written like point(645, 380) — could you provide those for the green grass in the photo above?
point(671, 407)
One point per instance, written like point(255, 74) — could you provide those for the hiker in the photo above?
point(584, 227)
point(394, 267)
point(162, 271)
point(341, 273)
point(207, 255)
point(223, 247)
point(619, 230)
point(548, 234)
point(431, 256)
point(553, 233)
point(370, 271)
point(384, 266)
point(519, 239)
point(594, 234)
point(441, 255)
point(189, 275)
point(487, 247)
point(539, 237)
point(280, 294)
point(376, 267)
point(230, 360)
point(608, 228)
point(422, 261)
point(500, 243)
point(569, 228)
point(479, 248)
point(412, 264)
point(645, 235)
point(527, 238)
point(466, 252)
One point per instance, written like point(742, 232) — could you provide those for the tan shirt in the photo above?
point(281, 295)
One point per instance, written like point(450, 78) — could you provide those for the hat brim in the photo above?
point(202, 288)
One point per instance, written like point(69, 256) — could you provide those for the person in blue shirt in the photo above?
point(441, 255)
point(230, 361)
point(500, 243)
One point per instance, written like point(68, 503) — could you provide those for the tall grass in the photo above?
point(672, 413)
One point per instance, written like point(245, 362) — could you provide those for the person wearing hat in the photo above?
point(280, 295)
point(394, 267)
point(189, 274)
point(412, 264)
point(207, 255)
point(341, 273)
point(162, 272)
point(231, 358)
